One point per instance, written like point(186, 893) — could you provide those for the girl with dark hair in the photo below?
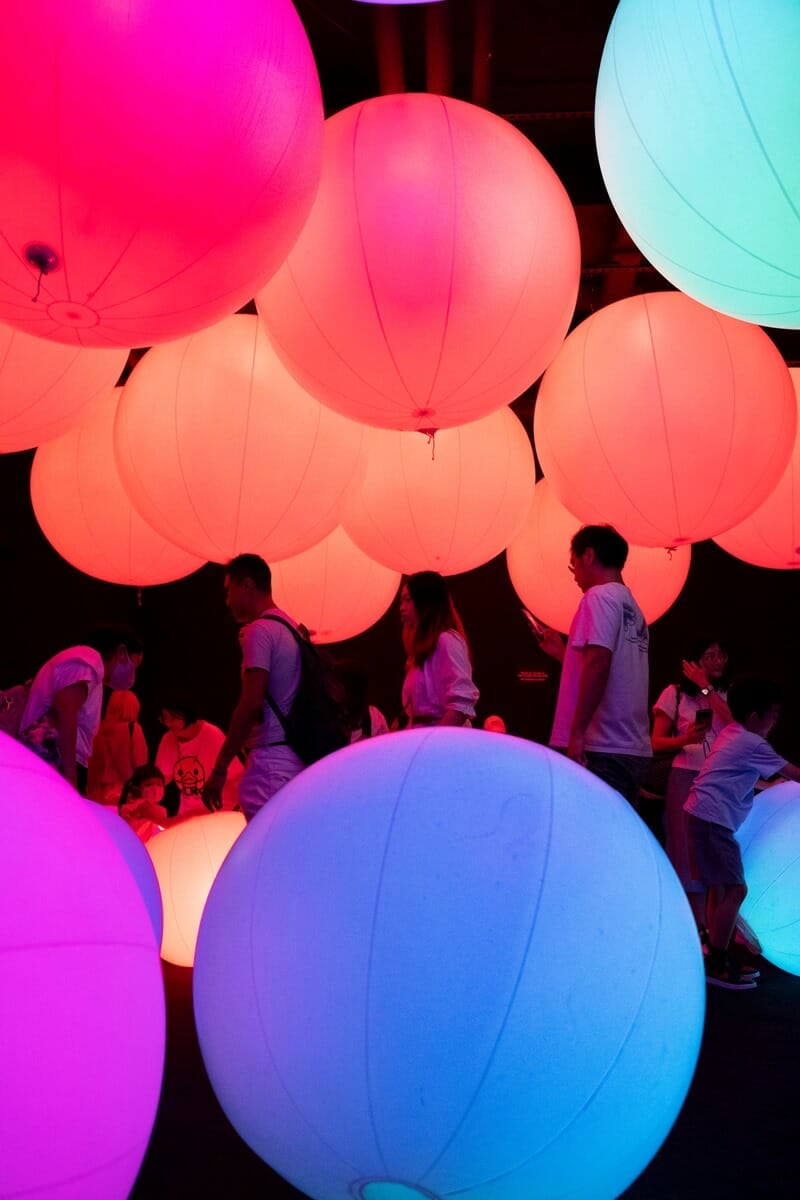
point(438, 687)
point(140, 802)
point(687, 719)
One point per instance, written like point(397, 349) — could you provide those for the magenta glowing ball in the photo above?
point(47, 388)
point(85, 513)
point(666, 419)
point(81, 996)
point(437, 273)
point(157, 161)
point(139, 863)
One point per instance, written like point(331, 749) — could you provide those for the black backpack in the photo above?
point(315, 724)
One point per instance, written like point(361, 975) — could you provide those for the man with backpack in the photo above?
point(271, 676)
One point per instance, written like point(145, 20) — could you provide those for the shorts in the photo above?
point(714, 853)
point(268, 769)
point(623, 772)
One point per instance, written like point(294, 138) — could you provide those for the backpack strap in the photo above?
point(282, 717)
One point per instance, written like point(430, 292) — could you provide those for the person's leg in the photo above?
point(677, 841)
point(267, 771)
point(725, 902)
point(623, 772)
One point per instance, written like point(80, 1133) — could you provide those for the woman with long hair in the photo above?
point(438, 687)
point(688, 716)
point(119, 748)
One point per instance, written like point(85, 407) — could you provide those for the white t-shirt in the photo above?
point(78, 664)
point(187, 763)
point(269, 646)
point(723, 790)
point(692, 757)
point(443, 681)
point(608, 616)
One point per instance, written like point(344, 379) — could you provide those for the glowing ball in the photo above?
point(85, 513)
point(445, 506)
point(770, 842)
point(47, 388)
point(157, 188)
point(770, 536)
point(186, 860)
point(223, 452)
point(405, 984)
point(697, 117)
point(81, 999)
point(665, 419)
point(138, 861)
point(538, 565)
point(437, 273)
point(334, 589)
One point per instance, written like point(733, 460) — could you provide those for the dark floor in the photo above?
point(737, 1136)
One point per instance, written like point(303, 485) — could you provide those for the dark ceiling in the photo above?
point(534, 62)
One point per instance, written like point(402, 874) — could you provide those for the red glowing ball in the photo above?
point(437, 273)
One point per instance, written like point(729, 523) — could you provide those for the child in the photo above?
point(140, 802)
point(720, 799)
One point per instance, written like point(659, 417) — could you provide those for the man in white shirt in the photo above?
point(601, 717)
point(271, 666)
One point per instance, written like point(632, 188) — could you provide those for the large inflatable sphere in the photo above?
point(445, 962)
point(770, 841)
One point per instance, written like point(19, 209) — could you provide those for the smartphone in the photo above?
point(704, 716)
point(536, 625)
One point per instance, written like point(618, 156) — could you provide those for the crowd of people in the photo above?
point(83, 717)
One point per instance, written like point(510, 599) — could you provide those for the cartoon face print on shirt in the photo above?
point(189, 776)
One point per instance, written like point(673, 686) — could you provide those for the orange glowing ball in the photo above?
point(538, 565)
point(447, 505)
point(665, 419)
point(186, 860)
point(223, 452)
point(157, 160)
point(334, 589)
point(47, 388)
point(437, 273)
point(770, 536)
point(84, 511)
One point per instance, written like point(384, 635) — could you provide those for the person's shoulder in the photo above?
point(451, 643)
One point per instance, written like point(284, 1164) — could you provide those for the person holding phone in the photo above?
point(687, 719)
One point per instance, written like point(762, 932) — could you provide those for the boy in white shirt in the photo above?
point(720, 799)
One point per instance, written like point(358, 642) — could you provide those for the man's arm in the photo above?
point(247, 714)
point(790, 771)
point(67, 703)
point(594, 679)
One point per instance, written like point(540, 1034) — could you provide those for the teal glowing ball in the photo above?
point(445, 962)
point(698, 134)
point(770, 842)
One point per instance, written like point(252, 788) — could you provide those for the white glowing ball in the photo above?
point(138, 860)
point(87, 516)
point(420, 969)
point(437, 273)
point(770, 536)
point(223, 452)
point(334, 589)
point(81, 999)
point(770, 842)
point(47, 388)
point(665, 419)
point(187, 858)
point(447, 505)
point(161, 172)
point(697, 120)
point(538, 565)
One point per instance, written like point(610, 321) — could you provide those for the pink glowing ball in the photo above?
point(334, 588)
point(84, 511)
point(665, 419)
point(437, 273)
point(223, 452)
point(770, 536)
point(186, 859)
point(538, 565)
point(81, 996)
point(47, 388)
point(157, 159)
point(447, 505)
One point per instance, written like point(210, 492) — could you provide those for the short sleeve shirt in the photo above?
point(78, 664)
point(270, 646)
point(443, 681)
point(723, 790)
point(688, 758)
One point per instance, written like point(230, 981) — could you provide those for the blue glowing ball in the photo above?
point(446, 962)
point(698, 135)
point(138, 861)
point(770, 842)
